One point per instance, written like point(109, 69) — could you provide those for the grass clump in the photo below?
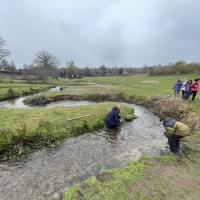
point(166, 158)
point(110, 184)
point(38, 99)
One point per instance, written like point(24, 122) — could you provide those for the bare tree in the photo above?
point(45, 63)
point(72, 70)
point(3, 52)
point(45, 59)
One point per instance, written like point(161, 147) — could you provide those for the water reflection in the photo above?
point(111, 134)
point(18, 102)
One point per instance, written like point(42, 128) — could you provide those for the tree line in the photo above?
point(45, 64)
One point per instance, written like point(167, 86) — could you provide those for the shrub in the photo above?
point(11, 93)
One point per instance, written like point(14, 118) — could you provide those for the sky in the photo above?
point(130, 33)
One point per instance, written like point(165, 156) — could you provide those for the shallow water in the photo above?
point(18, 102)
point(48, 173)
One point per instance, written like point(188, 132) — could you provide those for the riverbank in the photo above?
point(23, 131)
point(165, 177)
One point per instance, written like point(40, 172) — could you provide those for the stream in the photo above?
point(18, 102)
point(47, 173)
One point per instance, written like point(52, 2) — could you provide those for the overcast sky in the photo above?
point(94, 32)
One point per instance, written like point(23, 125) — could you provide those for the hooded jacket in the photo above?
point(175, 127)
point(178, 85)
point(113, 118)
point(195, 86)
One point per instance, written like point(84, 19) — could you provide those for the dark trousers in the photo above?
point(113, 125)
point(194, 94)
point(183, 93)
point(187, 95)
point(174, 142)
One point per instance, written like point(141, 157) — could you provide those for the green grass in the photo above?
point(46, 126)
point(142, 85)
point(110, 184)
point(20, 87)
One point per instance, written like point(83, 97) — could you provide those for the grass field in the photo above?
point(142, 85)
point(161, 178)
point(11, 87)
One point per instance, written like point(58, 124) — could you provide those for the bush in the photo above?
point(11, 93)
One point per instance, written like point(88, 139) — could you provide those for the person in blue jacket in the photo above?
point(113, 118)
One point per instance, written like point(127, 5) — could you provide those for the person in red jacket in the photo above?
point(194, 88)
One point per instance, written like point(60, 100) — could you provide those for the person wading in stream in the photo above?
point(174, 131)
point(113, 118)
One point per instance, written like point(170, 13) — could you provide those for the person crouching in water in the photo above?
point(174, 131)
point(113, 118)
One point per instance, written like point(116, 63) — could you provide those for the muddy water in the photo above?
point(18, 102)
point(47, 173)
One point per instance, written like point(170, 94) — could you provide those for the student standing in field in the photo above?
point(183, 87)
point(187, 90)
point(174, 131)
point(177, 87)
point(194, 88)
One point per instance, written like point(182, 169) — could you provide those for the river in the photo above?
point(47, 173)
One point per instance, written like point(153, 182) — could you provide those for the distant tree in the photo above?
point(45, 60)
point(87, 71)
point(121, 70)
point(103, 69)
point(45, 64)
point(4, 64)
point(3, 52)
point(63, 73)
point(72, 70)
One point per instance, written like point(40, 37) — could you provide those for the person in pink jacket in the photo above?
point(194, 88)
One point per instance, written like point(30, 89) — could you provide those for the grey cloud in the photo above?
point(92, 32)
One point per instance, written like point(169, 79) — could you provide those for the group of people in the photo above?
point(174, 130)
point(187, 87)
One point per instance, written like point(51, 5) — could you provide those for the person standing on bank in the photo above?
point(194, 88)
point(113, 118)
point(187, 90)
point(177, 87)
point(183, 87)
point(174, 131)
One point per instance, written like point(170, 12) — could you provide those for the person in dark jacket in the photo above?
point(174, 131)
point(187, 90)
point(113, 118)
